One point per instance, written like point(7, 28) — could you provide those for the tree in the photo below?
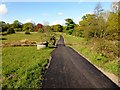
point(6, 27)
point(57, 28)
point(47, 28)
point(97, 11)
point(64, 28)
point(3, 26)
point(28, 26)
point(112, 26)
point(77, 31)
point(10, 31)
point(70, 25)
point(115, 6)
point(17, 26)
point(38, 27)
point(101, 26)
point(88, 25)
point(60, 28)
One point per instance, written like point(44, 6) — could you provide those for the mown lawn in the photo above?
point(20, 36)
point(22, 66)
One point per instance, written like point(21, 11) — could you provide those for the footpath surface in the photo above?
point(68, 69)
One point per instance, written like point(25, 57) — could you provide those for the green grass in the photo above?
point(69, 39)
point(22, 66)
point(20, 36)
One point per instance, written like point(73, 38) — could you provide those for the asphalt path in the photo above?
point(68, 69)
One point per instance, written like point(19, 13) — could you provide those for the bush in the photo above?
point(69, 31)
point(78, 33)
point(18, 29)
point(10, 31)
point(31, 30)
point(27, 32)
point(108, 48)
point(40, 30)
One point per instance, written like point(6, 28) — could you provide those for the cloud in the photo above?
point(46, 22)
point(61, 22)
point(87, 13)
point(3, 9)
point(60, 13)
point(29, 21)
point(77, 20)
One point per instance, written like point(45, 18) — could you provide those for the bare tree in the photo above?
point(114, 6)
point(119, 5)
point(98, 9)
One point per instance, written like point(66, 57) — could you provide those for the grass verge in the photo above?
point(22, 66)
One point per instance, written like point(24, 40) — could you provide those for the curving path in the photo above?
point(68, 69)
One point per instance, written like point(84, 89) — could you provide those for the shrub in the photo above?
point(78, 33)
point(27, 32)
point(108, 48)
point(40, 30)
point(31, 30)
point(69, 31)
point(10, 31)
point(18, 29)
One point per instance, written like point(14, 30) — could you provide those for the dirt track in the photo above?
point(68, 69)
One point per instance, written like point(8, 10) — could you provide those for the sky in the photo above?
point(47, 12)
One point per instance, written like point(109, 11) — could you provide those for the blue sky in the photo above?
point(48, 12)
